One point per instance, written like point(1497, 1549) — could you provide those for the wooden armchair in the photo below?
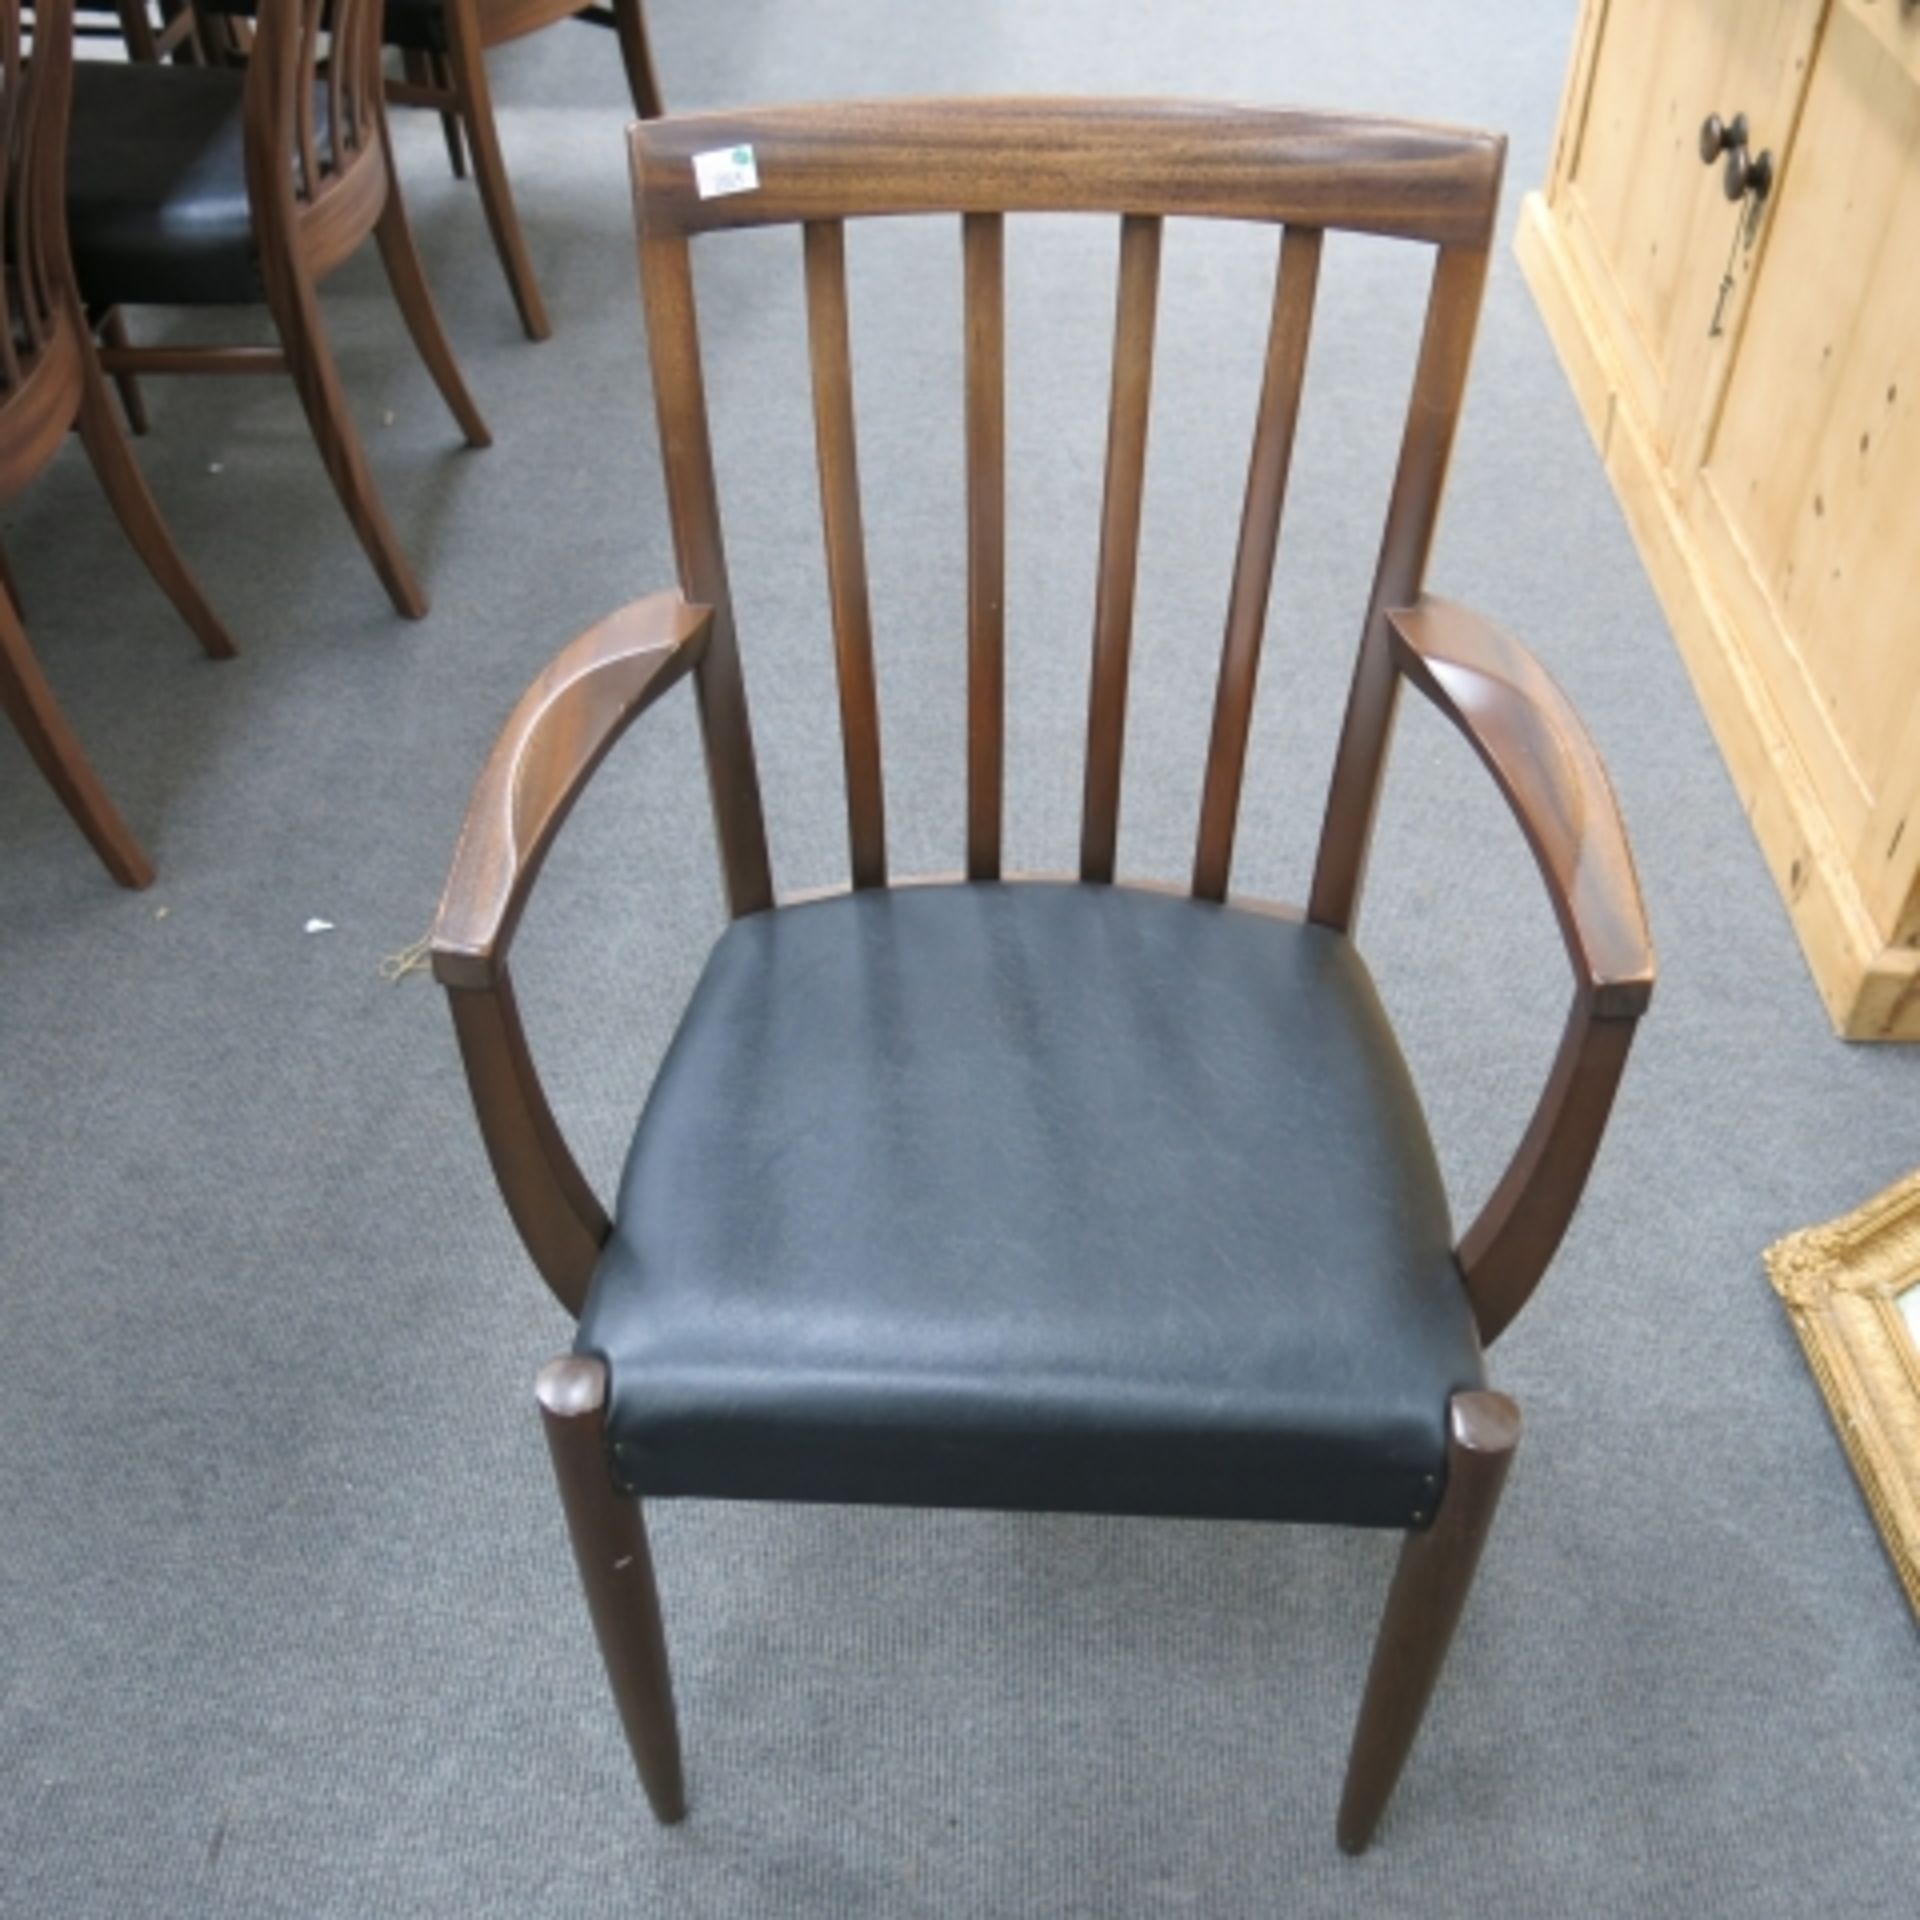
point(1061, 1194)
point(50, 383)
point(204, 186)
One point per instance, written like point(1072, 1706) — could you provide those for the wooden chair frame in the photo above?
point(50, 385)
point(313, 200)
point(986, 159)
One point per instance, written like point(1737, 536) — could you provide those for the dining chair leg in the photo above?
point(113, 331)
point(401, 258)
point(28, 702)
point(467, 67)
point(636, 50)
point(440, 75)
point(610, 1547)
point(126, 490)
point(424, 69)
point(1423, 1607)
point(10, 589)
point(295, 306)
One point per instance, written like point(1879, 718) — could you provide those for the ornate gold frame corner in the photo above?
point(1841, 1283)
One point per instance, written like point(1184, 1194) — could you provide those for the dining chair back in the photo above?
point(50, 383)
point(195, 186)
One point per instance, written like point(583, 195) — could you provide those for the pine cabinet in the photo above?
point(1743, 336)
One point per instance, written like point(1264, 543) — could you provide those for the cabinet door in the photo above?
point(1804, 503)
point(1649, 225)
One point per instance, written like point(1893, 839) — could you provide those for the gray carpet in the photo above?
point(287, 1625)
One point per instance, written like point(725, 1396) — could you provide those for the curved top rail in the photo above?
point(1035, 155)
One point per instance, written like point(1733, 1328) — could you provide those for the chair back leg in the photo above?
point(28, 702)
point(1423, 1607)
point(295, 305)
point(401, 258)
point(126, 490)
point(113, 333)
point(643, 81)
point(466, 66)
point(610, 1547)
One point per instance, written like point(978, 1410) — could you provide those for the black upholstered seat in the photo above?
point(418, 24)
point(157, 204)
point(1035, 1196)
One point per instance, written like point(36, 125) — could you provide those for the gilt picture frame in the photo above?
point(1851, 1289)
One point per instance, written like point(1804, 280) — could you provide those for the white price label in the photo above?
point(725, 170)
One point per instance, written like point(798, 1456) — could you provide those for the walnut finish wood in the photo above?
point(693, 505)
point(984, 255)
point(1119, 542)
point(1296, 282)
point(1504, 1253)
point(831, 353)
point(610, 1548)
point(1439, 382)
point(28, 702)
point(1153, 158)
point(472, 96)
point(559, 1220)
point(112, 330)
point(1527, 732)
point(1424, 1605)
point(563, 727)
point(51, 384)
point(1540, 755)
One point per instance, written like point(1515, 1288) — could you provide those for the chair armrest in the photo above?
point(1533, 743)
point(566, 722)
point(1527, 732)
point(559, 733)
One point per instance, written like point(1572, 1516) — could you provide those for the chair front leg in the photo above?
point(610, 1547)
point(1429, 1590)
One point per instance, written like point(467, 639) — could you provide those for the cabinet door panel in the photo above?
point(1805, 502)
point(1648, 222)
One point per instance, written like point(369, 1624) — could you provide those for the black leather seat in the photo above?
point(1040, 1197)
point(419, 24)
point(157, 205)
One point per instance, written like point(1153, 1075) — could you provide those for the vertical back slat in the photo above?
point(339, 51)
point(693, 505)
point(15, 237)
point(303, 98)
point(983, 252)
point(830, 349)
point(1453, 309)
point(1295, 283)
point(14, 240)
point(1119, 540)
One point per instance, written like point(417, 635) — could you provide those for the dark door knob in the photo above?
point(1716, 137)
point(1747, 174)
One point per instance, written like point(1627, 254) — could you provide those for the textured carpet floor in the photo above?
point(287, 1625)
